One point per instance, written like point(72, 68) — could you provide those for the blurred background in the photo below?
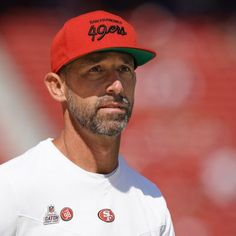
point(183, 132)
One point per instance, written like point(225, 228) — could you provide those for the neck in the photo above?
point(92, 152)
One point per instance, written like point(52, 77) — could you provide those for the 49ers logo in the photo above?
point(102, 30)
point(106, 215)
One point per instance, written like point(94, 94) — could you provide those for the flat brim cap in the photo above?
point(96, 31)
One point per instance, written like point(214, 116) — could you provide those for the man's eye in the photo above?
point(95, 69)
point(125, 69)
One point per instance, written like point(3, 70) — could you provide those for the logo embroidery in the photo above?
point(66, 214)
point(102, 30)
point(51, 216)
point(106, 215)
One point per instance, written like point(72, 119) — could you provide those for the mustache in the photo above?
point(119, 99)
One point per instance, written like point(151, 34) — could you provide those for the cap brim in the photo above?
point(141, 56)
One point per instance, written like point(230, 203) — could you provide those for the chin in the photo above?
point(110, 128)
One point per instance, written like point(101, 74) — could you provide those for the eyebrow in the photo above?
point(128, 62)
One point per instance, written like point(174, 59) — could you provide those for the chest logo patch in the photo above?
point(51, 216)
point(66, 214)
point(106, 215)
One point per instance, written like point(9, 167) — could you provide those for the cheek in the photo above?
point(81, 103)
point(89, 104)
point(130, 90)
point(85, 88)
point(87, 92)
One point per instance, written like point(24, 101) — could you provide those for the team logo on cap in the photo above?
point(51, 216)
point(66, 214)
point(103, 30)
point(106, 215)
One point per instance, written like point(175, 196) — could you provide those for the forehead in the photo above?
point(97, 57)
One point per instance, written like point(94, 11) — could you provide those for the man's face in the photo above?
point(100, 91)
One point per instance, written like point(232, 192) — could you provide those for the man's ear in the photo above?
point(55, 86)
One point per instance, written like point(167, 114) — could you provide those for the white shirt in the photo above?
point(36, 186)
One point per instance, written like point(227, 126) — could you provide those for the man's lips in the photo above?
point(114, 105)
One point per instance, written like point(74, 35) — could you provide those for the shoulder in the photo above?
point(20, 174)
point(24, 163)
point(15, 176)
point(149, 196)
point(141, 184)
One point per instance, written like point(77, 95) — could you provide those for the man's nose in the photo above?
point(115, 86)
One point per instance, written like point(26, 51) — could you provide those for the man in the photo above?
point(77, 184)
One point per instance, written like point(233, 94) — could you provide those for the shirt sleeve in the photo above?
point(8, 209)
point(169, 229)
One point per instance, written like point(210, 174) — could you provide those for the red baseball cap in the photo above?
point(96, 31)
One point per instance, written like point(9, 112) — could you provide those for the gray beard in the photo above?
point(109, 124)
